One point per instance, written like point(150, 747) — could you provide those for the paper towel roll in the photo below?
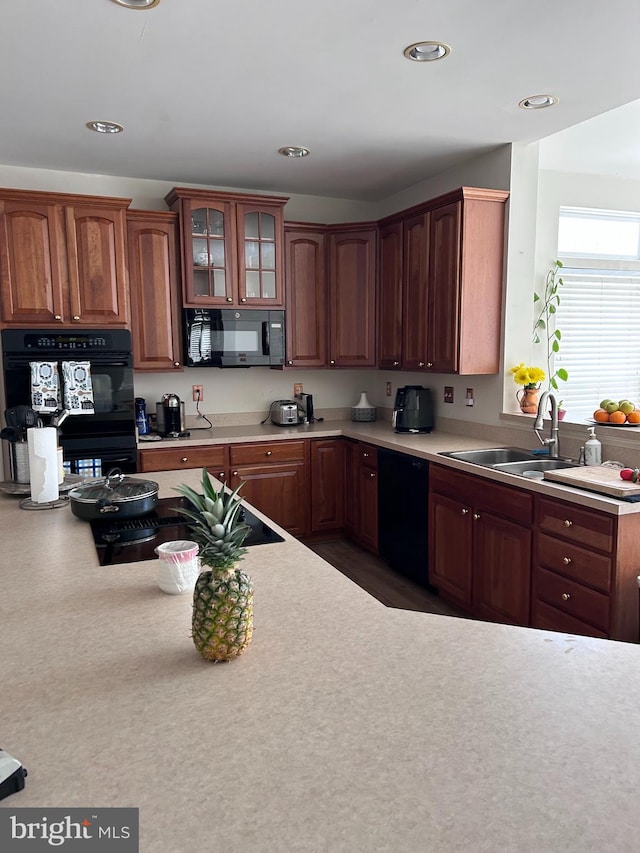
point(43, 464)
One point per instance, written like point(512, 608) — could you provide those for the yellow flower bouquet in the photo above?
point(528, 377)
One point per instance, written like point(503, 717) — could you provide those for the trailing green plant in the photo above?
point(544, 328)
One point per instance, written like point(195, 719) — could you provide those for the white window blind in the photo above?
point(600, 322)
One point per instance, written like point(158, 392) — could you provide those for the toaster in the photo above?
point(286, 413)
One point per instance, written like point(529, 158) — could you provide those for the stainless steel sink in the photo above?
point(492, 456)
point(537, 465)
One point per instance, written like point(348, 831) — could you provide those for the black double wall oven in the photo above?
point(91, 444)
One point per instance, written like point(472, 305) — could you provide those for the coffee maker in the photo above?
point(170, 416)
point(413, 409)
point(306, 401)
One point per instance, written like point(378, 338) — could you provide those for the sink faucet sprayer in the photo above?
point(552, 443)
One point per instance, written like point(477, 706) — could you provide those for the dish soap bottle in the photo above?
point(592, 449)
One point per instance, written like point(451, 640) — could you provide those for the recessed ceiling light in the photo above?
point(105, 126)
point(427, 51)
point(137, 4)
point(538, 102)
point(294, 151)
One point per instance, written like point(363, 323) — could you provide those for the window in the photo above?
point(599, 315)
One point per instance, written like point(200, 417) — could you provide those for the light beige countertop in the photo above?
point(346, 726)
point(427, 446)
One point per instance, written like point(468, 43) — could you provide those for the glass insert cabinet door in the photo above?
point(260, 252)
point(212, 237)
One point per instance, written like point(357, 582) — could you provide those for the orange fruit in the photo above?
point(617, 417)
point(601, 415)
point(634, 417)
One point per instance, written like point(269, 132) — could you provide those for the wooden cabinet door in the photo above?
point(280, 490)
point(368, 514)
point(443, 331)
point(32, 263)
point(352, 298)
point(502, 569)
point(327, 484)
point(208, 239)
point(390, 323)
point(96, 257)
point(306, 296)
point(416, 292)
point(451, 548)
point(351, 488)
point(154, 290)
point(260, 254)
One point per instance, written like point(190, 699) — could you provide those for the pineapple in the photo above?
point(222, 619)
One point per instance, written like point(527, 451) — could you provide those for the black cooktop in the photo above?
point(129, 540)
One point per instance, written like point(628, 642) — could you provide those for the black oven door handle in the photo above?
point(266, 341)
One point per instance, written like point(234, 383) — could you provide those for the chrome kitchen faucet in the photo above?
point(552, 443)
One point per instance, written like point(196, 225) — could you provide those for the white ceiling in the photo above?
point(208, 90)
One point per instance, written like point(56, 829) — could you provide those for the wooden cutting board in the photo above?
point(595, 478)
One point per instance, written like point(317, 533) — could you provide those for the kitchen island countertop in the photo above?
point(346, 726)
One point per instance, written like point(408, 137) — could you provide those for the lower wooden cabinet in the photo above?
point(361, 493)
point(327, 484)
point(480, 545)
point(213, 457)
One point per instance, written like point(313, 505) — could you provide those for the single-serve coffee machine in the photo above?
point(170, 416)
point(306, 401)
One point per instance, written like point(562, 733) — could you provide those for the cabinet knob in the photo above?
point(568, 523)
point(396, 363)
point(476, 516)
point(566, 561)
point(268, 452)
point(372, 475)
point(366, 455)
point(185, 459)
point(75, 317)
point(229, 299)
point(243, 299)
point(57, 317)
point(332, 361)
point(290, 361)
point(176, 364)
point(421, 364)
point(221, 475)
point(235, 473)
point(565, 596)
point(465, 512)
point(429, 364)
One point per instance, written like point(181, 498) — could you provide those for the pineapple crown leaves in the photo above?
point(215, 524)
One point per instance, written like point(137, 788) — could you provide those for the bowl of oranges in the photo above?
point(621, 413)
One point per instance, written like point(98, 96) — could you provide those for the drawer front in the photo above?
point(175, 458)
point(572, 598)
point(550, 619)
point(577, 563)
point(483, 494)
point(272, 451)
point(586, 527)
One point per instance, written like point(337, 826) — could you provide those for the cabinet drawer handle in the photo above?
point(566, 561)
point(229, 299)
point(185, 459)
point(565, 596)
point(465, 512)
point(568, 523)
point(268, 452)
point(476, 516)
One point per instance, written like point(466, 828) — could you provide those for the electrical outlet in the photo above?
point(297, 389)
point(448, 393)
point(198, 393)
point(388, 389)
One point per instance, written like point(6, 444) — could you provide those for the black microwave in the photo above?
point(226, 337)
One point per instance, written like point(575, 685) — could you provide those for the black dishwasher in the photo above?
point(403, 507)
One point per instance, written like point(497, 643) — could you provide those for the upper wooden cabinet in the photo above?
point(451, 270)
point(152, 241)
point(232, 248)
point(331, 294)
point(62, 260)
point(352, 296)
point(306, 295)
point(390, 267)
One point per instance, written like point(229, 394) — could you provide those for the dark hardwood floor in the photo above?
point(375, 576)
